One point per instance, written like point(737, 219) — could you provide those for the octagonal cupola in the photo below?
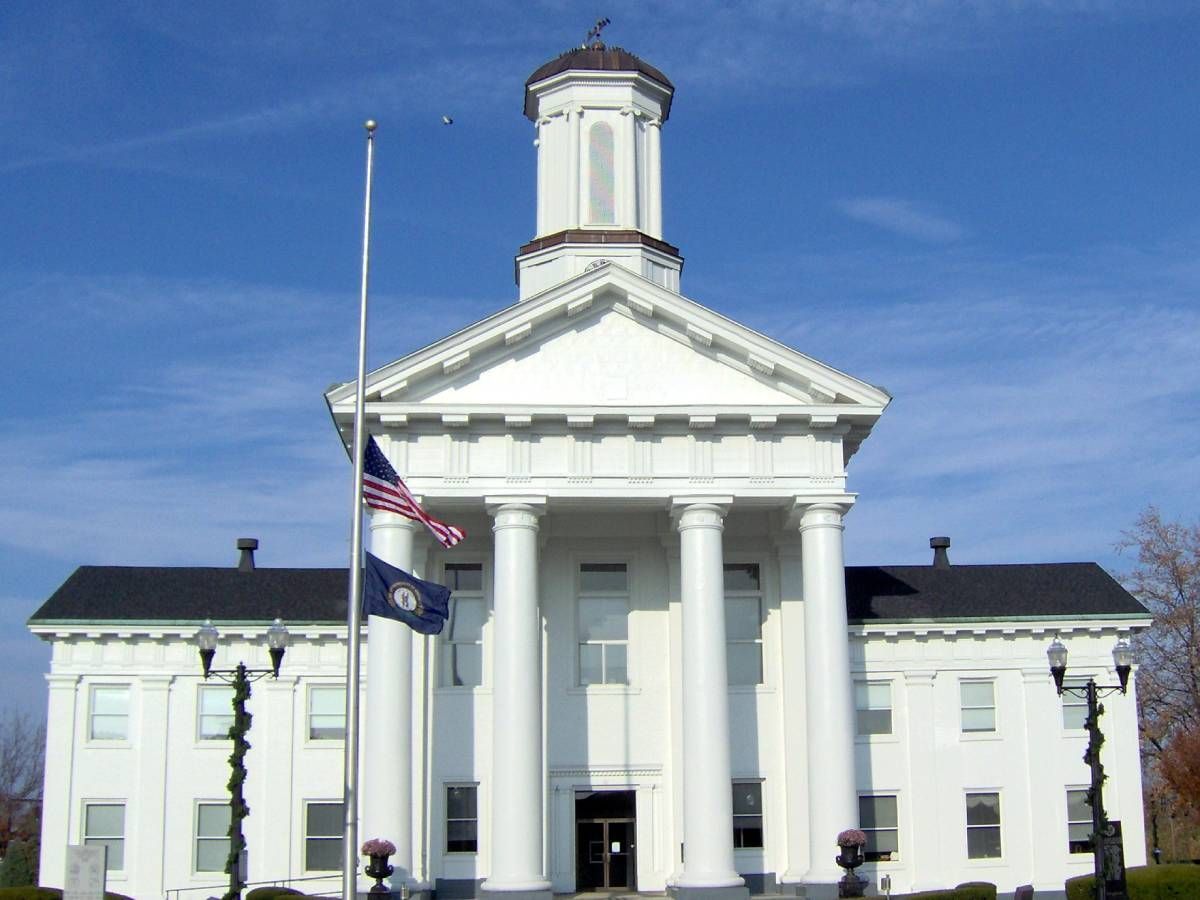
point(599, 113)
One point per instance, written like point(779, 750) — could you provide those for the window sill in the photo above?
point(868, 739)
point(980, 736)
point(97, 744)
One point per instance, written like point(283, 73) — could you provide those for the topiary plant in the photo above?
point(1179, 881)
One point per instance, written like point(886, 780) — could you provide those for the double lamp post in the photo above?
point(240, 677)
point(1109, 868)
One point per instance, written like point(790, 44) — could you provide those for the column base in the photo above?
point(702, 892)
point(485, 893)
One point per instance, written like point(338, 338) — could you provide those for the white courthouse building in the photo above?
point(658, 675)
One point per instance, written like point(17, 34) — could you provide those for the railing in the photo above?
point(219, 889)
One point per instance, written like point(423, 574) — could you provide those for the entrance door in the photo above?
point(605, 828)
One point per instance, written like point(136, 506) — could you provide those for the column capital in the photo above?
point(515, 511)
point(693, 506)
point(155, 682)
point(62, 681)
point(817, 510)
point(383, 519)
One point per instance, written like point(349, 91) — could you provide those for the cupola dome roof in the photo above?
point(596, 58)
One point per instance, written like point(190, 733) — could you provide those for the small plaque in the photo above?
point(85, 872)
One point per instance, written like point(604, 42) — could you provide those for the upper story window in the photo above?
point(978, 706)
point(461, 647)
point(873, 707)
point(326, 712)
point(602, 195)
point(743, 623)
point(1074, 709)
point(603, 623)
point(109, 715)
point(104, 825)
point(214, 712)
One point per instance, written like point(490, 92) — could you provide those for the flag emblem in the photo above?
point(395, 594)
point(386, 491)
point(402, 596)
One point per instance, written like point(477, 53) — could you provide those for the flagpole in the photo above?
point(354, 613)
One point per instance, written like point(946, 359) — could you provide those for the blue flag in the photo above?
point(390, 592)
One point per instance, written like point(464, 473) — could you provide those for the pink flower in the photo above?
point(852, 837)
point(378, 847)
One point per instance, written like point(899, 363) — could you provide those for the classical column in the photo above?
point(387, 716)
point(626, 163)
point(654, 178)
point(154, 696)
point(708, 868)
point(57, 800)
point(792, 710)
point(517, 866)
point(574, 166)
point(832, 798)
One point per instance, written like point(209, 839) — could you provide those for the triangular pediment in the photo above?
point(609, 338)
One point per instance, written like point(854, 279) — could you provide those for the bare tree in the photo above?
point(1167, 580)
point(22, 758)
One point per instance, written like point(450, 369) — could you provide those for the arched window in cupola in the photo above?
point(601, 192)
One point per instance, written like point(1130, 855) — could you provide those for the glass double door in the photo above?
point(605, 829)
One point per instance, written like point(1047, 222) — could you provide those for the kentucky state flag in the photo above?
point(390, 592)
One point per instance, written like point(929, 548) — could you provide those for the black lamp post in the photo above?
point(240, 677)
point(1092, 692)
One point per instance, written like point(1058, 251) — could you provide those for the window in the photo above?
point(873, 707)
point(212, 837)
point(104, 825)
point(603, 623)
point(983, 826)
point(215, 712)
point(1074, 709)
point(323, 837)
point(878, 818)
point(462, 638)
point(110, 713)
point(743, 623)
point(747, 814)
point(978, 706)
point(462, 819)
point(601, 193)
point(1079, 822)
point(326, 712)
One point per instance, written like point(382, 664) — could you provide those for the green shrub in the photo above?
point(20, 866)
point(1179, 881)
point(28, 892)
point(270, 891)
point(975, 890)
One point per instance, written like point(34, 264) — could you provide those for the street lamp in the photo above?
point(1092, 692)
point(240, 677)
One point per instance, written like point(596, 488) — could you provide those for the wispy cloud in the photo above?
point(902, 217)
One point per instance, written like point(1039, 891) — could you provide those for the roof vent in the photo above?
point(941, 559)
point(246, 560)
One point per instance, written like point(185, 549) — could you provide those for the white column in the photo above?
point(921, 728)
point(832, 798)
point(653, 226)
point(627, 168)
point(792, 710)
point(387, 716)
point(707, 791)
point(517, 775)
point(574, 167)
point(153, 728)
point(57, 795)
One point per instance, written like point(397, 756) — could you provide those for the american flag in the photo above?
point(384, 490)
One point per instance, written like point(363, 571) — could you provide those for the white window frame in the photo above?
point(197, 838)
point(314, 689)
point(999, 826)
point(863, 696)
point(305, 837)
point(1074, 702)
point(603, 643)
point(761, 816)
point(448, 786)
point(201, 715)
point(93, 689)
point(760, 596)
point(883, 795)
point(446, 645)
point(1088, 821)
point(963, 707)
point(103, 839)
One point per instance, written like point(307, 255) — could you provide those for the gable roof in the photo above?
point(103, 594)
point(804, 381)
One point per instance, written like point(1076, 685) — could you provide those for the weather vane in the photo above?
point(593, 35)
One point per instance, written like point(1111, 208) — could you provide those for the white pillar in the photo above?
point(626, 163)
point(707, 790)
point(387, 716)
point(792, 711)
point(832, 798)
point(653, 225)
point(57, 792)
point(154, 694)
point(574, 167)
point(517, 782)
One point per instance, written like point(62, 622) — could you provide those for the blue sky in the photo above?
point(990, 208)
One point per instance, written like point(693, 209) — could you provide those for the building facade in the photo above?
point(658, 674)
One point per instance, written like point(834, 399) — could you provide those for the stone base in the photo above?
point(485, 894)
point(678, 892)
point(422, 892)
point(817, 891)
